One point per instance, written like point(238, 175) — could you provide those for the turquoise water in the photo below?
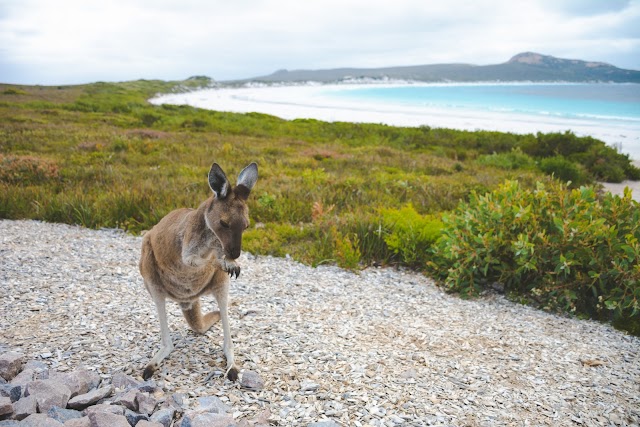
point(599, 102)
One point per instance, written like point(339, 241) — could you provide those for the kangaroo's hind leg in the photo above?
point(167, 344)
point(195, 319)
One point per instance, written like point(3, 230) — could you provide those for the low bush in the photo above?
point(409, 235)
point(565, 170)
point(512, 160)
point(25, 170)
point(560, 249)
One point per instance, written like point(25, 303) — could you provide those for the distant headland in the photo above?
point(527, 66)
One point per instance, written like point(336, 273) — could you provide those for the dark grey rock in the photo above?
point(106, 419)
point(185, 421)
point(127, 399)
point(163, 416)
point(87, 399)
point(252, 381)
point(10, 364)
point(25, 407)
point(149, 386)
point(39, 420)
point(134, 417)
point(124, 382)
point(6, 406)
point(175, 401)
point(11, 391)
point(48, 393)
point(63, 415)
point(146, 403)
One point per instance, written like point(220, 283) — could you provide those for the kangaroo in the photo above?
point(193, 252)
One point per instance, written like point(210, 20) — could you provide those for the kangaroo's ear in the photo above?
point(218, 181)
point(248, 176)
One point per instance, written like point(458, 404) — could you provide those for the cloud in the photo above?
point(71, 41)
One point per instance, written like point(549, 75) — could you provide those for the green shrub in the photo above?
point(564, 170)
point(560, 249)
point(410, 235)
point(514, 159)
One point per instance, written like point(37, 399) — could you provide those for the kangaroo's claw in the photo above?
point(231, 268)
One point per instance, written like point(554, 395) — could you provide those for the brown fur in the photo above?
point(192, 252)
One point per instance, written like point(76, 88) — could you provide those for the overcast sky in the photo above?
point(79, 41)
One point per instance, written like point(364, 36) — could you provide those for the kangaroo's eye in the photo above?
point(224, 224)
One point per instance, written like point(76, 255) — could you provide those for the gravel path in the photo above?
point(377, 348)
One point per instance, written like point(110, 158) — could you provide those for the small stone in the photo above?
point(6, 406)
point(78, 422)
point(163, 416)
point(105, 407)
point(124, 382)
point(11, 391)
point(106, 419)
point(252, 381)
point(211, 404)
point(145, 423)
point(40, 369)
point(324, 424)
point(409, 373)
point(210, 419)
point(63, 415)
point(39, 420)
point(127, 399)
point(48, 393)
point(87, 399)
point(25, 407)
point(134, 418)
point(10, 364)
point(309, 386)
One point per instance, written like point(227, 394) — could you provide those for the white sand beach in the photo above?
point(317, 101)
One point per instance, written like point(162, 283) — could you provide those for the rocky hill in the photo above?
point(526, 66)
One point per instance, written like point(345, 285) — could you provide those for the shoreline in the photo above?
point(318, 101)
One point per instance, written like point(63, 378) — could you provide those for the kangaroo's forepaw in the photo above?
point(231, 268)
point(148, 371)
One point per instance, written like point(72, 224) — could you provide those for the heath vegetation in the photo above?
point(100, 155)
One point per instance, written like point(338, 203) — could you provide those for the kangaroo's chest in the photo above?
point(184, 282)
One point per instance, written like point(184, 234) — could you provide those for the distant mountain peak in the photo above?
point(532, 58)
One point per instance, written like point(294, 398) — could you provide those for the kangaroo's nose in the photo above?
point(234, 253)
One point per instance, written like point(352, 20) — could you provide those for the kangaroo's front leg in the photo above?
point(221, 293)
point(167, 344)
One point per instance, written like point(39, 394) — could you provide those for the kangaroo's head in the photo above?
point(228, 215)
